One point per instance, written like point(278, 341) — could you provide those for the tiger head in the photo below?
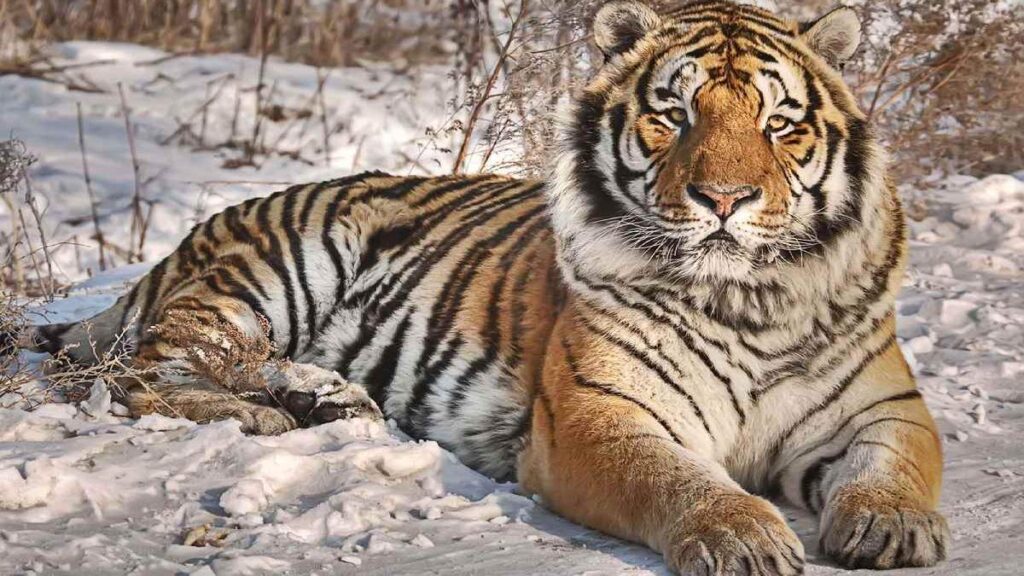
point(716, 142)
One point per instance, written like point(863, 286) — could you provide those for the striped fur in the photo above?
point(698, 304)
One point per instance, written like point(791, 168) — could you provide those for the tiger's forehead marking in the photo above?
point(716, 40)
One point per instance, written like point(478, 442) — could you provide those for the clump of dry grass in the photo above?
point(14, 160)
point(15, 373)
point(115, 365)
point(24, 251)
point(218, 352)
point(28, 272)
point(58, 378)
point(336, 33)
point(940, 82)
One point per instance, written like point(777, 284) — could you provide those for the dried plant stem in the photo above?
point(205, 114)
point(28, 243)
point(474, 116)
point(88, 188)
point(236, 109)
point(38, 217)
point(138, 222)
point(11, 259)
point(262, 29)
point(321, 80)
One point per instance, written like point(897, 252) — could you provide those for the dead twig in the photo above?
point(38, 217)
point(262, 30)
point(93, 204)
point(478, 106)
point(321, 80)
point(138, 221)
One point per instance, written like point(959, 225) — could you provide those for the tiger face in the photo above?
point(716, 142)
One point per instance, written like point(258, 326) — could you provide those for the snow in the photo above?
point(115, 495)
point(377, 118)
point(84, 490)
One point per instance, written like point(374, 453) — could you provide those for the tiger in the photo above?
point(693, 312)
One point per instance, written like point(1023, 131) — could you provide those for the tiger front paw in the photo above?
point(315, 396)
point(864, 529)
point(737, 535)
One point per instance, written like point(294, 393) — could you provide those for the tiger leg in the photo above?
point(308, 395)
point(877, 480)
point(881, 506)
point(600, 459)
point(208, 357)
point(205, 402)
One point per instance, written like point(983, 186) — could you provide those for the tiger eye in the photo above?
point(677, 116)
point(778, 123)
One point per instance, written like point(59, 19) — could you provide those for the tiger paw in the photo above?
point(863, 530)
point(314, 395)
point(737, 535)
point(260, 420)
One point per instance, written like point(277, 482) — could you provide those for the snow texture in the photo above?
point(84, 490)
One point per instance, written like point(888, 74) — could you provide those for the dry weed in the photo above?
point(336, 33)
point(218, 351)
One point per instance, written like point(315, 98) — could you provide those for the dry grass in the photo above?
point(15, 373)
point(25, 254)
point(27, 385)
point(942, 85)
point(218, 352)
point(336, 33)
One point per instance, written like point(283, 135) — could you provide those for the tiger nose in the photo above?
point(723, 200)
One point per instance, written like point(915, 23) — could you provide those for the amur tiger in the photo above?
point(698, 305)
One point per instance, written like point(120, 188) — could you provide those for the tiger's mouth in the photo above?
point(720, 237)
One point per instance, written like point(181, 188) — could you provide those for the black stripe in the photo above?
point(336, 212)
point(382, 240)
point(415, 416)
point(382, 289)
point(379, 377)
point(653, 367)
point(275, 259)
point(239, 262)
point(236, 290)
point(448, 303)
point(808, 349)
point(835, 394)
point(147, 309)
point(490, 333)
point(580, 380)
point(624, 176)
point(299, 261)
point(518, 307)
point(341, 184)
point(390, 295)
point(686, 333)
point(589, 178)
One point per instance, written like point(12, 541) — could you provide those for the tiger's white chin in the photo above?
point(717, 263)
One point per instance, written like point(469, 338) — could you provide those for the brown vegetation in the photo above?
point(218, 352)
point(337, 33)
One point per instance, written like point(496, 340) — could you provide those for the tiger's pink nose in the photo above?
point(723, 200)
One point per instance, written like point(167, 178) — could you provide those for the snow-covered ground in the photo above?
point(182, 110)
point(84, 491)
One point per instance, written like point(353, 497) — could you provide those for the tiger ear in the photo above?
point(618, 25)
point(835, 36)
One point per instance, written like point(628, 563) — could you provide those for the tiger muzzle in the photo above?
point(722, 200)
